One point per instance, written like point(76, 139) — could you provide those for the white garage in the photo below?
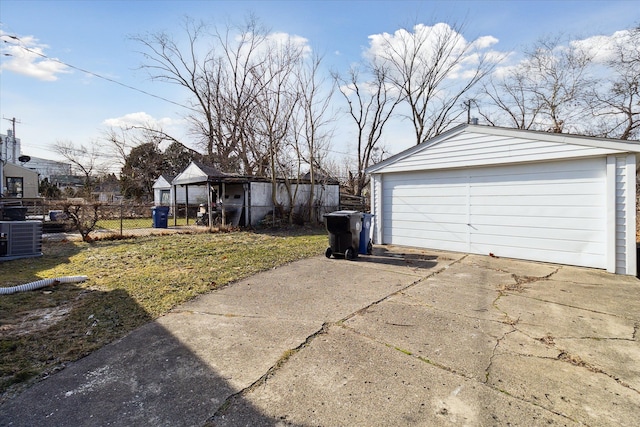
point(512, 193)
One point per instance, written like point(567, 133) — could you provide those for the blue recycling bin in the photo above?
point(366, 247)
point(160, 216)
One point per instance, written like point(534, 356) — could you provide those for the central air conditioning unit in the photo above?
point(20, 239)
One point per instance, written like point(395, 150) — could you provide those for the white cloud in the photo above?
point(484, 42)
point(138, 119)
point(26, 56)
point(602, 48)
point(427, 41)
point(282, 39)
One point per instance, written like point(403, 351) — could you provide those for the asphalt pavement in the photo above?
point(401, 337)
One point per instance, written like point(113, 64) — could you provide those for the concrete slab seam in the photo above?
point(399, 291)
point(323, 330)
point(265, 377)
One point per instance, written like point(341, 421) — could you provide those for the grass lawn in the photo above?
point(130, 282)
point(128, 224)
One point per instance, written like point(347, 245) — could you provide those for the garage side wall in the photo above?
point(376, 207)
point(622, 214)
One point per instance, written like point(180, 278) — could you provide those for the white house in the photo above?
point(246, 199)
point(512, 193)
point(163, 191)
point(19, 182)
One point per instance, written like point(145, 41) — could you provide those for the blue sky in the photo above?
point(94, 35)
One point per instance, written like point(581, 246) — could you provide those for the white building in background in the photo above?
point(11, 152)
point(9, 148)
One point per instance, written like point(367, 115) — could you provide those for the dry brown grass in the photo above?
point(130, 283)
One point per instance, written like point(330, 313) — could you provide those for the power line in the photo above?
point(22, 46)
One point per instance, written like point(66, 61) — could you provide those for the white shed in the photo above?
point(163, 191)
point(246, 199)
point(521, 194)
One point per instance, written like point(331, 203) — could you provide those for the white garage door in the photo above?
point(553, 212)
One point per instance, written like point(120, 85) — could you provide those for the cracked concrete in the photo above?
point(403, 337)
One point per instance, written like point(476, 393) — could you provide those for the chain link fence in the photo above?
point(132, 218)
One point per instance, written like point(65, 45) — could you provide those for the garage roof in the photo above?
point(476, 145)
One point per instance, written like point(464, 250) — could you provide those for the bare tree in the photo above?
point(370, 105)
point(315, 100)
point(84, 160)
point(219, 80)
point(618, 105)
point(432, 68)
point(275, 103)
point(547, 90)
point(510, 103)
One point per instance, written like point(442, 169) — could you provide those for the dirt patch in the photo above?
point(35, 320)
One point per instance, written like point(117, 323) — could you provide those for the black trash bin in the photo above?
point(160, 216)
point(344, 233)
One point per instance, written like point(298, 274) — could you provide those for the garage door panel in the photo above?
point(539, 238)
point(445, 242)
point(540, 222)
point(427, 200)
point(537, 189)
point(535, 201)
point(594, 260)
point(440, 190)
point(548, 211)
point(426, 229)
point(424, 219)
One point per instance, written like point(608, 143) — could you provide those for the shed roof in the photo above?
point(477, 145)
point(199, 173)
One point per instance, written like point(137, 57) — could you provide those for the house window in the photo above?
point(14, 187)
point(165, 196)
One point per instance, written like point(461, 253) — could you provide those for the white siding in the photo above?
point(376, 207)
point(625, 207)
point(551, 211)
point(472, 149)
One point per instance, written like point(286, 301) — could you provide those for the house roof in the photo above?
point(477, 145)
point(199, 174)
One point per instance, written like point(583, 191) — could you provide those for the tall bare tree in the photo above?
point(547, 90)
point(432, 67)
point(617, 106)
point(316, 120)
point(370, 104)
point(510, 103)
point(275, 103)
point(216, 70)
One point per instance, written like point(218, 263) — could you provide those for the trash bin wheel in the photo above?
point(369, 248)
point(349, 253)
point(328, 252)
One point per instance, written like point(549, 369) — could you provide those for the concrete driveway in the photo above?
point(402, 337)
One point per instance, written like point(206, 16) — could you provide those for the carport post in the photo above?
point(186, 201)
point(209, 205)
point(222, 204)
point(175, 205)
